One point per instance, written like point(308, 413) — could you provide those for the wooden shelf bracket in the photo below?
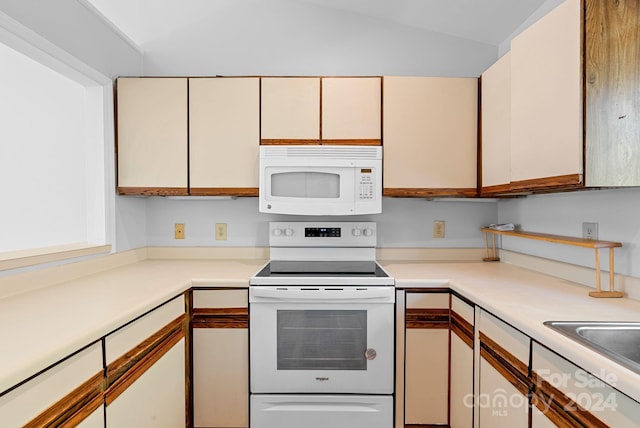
point(492, 253)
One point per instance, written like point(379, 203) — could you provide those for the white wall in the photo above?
point(617, 213)
point(254, 37)
point(404, 222)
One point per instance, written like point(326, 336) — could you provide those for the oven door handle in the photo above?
point(370, 295)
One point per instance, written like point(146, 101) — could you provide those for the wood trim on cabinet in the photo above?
point(462, 328)
point(498, 189)
point(363, 142)
point(129, 367)
point(288, 142)
point(223, 191)
point(437, 318)
point(407, 192)
point(220, 318)
point(153, 191)
point(551, 183)
point(511, 368)
point(559, 408)
point(74, 407)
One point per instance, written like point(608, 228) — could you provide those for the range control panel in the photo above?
point(322, 234)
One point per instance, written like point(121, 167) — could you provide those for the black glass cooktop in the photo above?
point(345, 269)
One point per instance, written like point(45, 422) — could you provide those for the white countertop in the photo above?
point(40, 327)
point(525, 299)
point(43, 326)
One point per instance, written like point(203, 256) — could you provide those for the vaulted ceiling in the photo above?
point(484, 21)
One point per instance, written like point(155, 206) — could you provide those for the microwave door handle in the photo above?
point(283, 294)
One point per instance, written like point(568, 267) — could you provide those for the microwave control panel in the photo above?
point(366, 184)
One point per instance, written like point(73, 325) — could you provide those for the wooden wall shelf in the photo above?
point(492, 255)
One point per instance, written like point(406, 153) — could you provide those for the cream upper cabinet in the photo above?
point(496, 126)
point(430, 136)
point(351, 110)
point(546, 101)
point(224, 134)
point(152, 116)
point(290, 110)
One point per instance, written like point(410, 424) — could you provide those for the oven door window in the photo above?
point(305, 185)
point(322, 339)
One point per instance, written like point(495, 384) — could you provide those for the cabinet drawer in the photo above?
point(510, 339)
point(221, 298)
point(56, 393)
point(564, 391)
point(130, 336)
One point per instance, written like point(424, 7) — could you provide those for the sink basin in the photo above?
point(619, 341)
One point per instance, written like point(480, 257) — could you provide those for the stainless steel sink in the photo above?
point(620, 341)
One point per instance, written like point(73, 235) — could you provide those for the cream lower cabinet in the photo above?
point(461, 399)
point(146, 371)
point(566, 395)
point(430, 136)
point(422, 388)
point(220, 358)
point(503, 382)
point(70, 391)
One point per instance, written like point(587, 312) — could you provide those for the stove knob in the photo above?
point(368, 232)
point(277, 232)
point(288, 232)
point(356, 232)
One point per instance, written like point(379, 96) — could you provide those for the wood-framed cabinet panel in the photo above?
point(220, 379)
point(430, 136)
point(321, 110)
point(151, 135)
point(224, 134)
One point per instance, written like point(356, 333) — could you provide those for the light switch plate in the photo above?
point(438, 229)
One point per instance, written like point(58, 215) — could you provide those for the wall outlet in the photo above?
point(221, 231)
point(178, 231)
point(590, 231)
point(438, 229)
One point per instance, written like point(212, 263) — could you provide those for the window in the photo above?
point(52, 158)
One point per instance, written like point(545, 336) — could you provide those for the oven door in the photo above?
point(321, 339)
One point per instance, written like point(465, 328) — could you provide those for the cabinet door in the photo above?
point(426, 358)
point(152, 136)
point(156, 398)
point(461, 364)
point(224, 134)
point(69, 392)
point(290, 110)
point(351, 110)
point(612, 110)
point(504, 382)
point(220, 358)
point(430, 136)
point(146, 371)
point(496, 127)
point(566, 394)
point(546, 101)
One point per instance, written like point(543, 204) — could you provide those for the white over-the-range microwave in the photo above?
point(321, 180)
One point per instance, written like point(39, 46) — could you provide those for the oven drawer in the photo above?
point(321, 411)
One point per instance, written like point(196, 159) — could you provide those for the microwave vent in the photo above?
point(327, 152)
